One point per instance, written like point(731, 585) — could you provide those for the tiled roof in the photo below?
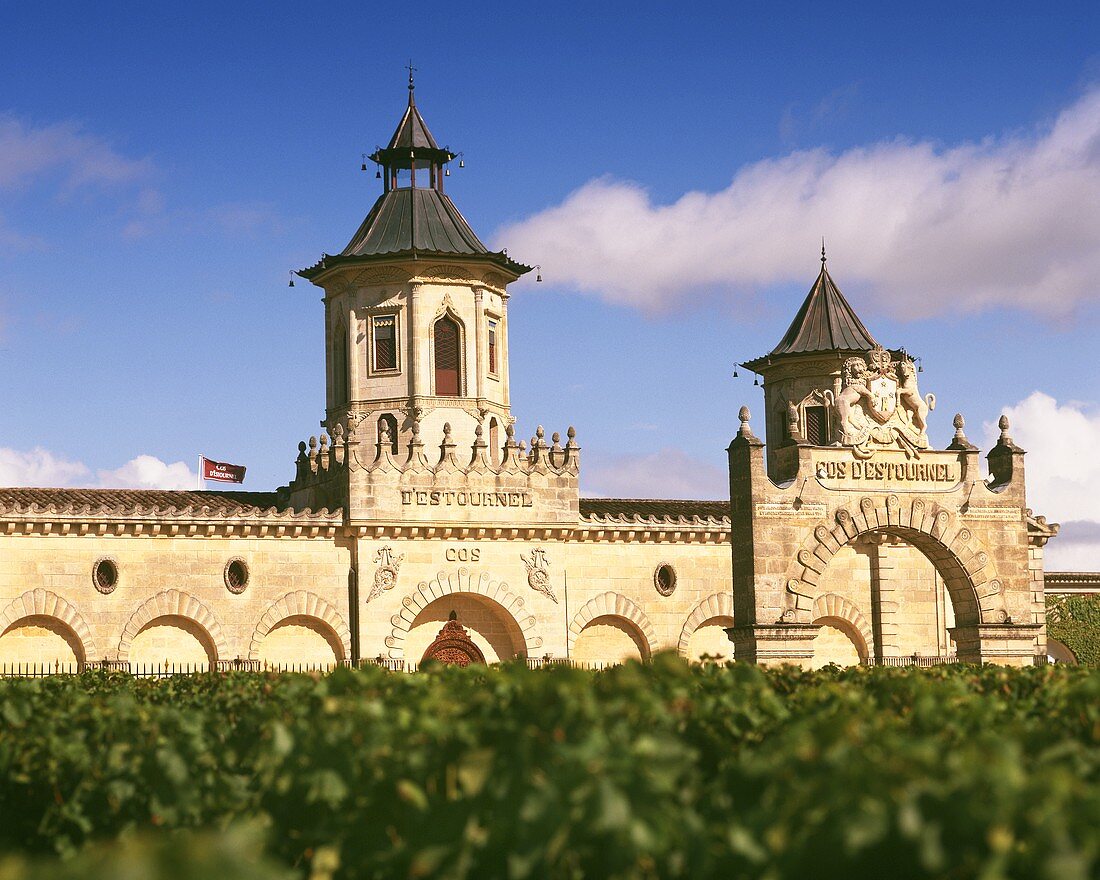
point(655, 510)
point(140, 502)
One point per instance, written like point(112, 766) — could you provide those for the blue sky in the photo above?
point(162, 168)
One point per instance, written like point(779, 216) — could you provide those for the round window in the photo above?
point(236, 575)
point(105, 575)
point(664, 579)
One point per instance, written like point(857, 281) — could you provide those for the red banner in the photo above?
point(222, 472)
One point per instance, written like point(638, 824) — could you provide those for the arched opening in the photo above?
point(175, 640)
point(1058, 652)
point(837, 642)
point(387, 423)
point(448, 357)
point(488, 624)
point(40, 640)
point(610, 639)
point(909, 586)
point(495, 451)
point(301, 640)
point(710, 641)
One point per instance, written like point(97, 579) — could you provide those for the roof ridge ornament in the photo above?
point(412, 85)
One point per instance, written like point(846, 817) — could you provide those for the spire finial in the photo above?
point(412, 85)
point(823, 252)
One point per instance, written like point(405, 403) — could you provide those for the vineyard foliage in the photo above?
point(1075, 622)
point(656, 770)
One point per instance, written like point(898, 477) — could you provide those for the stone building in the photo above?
point(419, 525)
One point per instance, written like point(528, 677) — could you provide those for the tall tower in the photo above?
point(803, 374)
point(416, 308)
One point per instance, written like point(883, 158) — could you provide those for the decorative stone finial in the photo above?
point(416, 428)
point(571, 433)
point(338, 432)
point(312, 443)
point(302, 447)
point(446, 430)
point(510, 431)
point(743, 414)
point(384, 434)
point(959, 441)
point(540, 432)
point(556, 438)
point(1002, 423)
point(478, 431)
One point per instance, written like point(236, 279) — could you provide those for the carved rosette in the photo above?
point(538, 572)
point(385, 576)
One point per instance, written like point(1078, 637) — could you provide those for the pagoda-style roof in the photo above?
point(414, 220)
point(826, 322)
point(412, 131)
point(413, 223)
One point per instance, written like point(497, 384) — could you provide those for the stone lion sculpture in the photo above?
point(909, 397)
point(853, 424)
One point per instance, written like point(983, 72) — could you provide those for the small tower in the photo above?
point(416, 311)
point(803, 374)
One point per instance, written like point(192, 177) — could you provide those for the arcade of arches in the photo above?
point(845, 537)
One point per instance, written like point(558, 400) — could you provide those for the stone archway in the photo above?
point(48, 611)
point(842, 614)
point(966, 568)
point(715, 612)
point(308, 611)
point(613, 610)
point(173, 604)
point(458, 582)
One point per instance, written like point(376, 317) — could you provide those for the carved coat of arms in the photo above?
point(538, 572)
point(385, 576)
point(879, 405)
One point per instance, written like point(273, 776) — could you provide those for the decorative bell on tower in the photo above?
point(378, 174)
point(291, 278)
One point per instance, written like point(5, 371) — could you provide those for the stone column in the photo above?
point(884, 596)
point(502, 355)
point(412, 334)
point(480, 355)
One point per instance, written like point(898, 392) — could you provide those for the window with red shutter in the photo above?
point(446, 358)
point(493, 347)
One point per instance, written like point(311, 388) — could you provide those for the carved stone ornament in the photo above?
point(454, 646)
point(385, 576)
point(538, 572)
point(880, 407)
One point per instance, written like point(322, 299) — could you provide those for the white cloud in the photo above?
point(1077, 548)
point(669, 473)
point(1013, 219)
point(27, 152)
point(41, 468)
point(1062, 468)
point(149, 472)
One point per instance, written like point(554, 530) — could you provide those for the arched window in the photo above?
point(447, 357)
point(340, 365)
point(494, 441)
point(389, 423)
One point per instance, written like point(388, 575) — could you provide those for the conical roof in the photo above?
point(826, 322)
point(412, 131)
